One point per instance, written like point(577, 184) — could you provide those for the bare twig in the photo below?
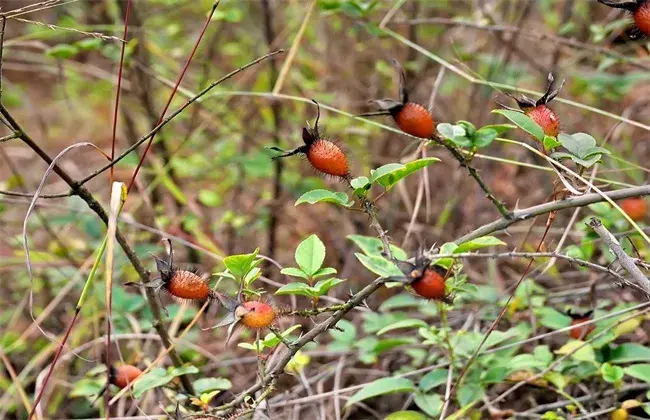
point(625, 260)
point(530, 212)
point(175, 113)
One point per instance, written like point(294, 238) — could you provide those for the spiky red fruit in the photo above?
point(415, 120)
point(642, 17)
point(545, 118)
point(186, 284)
point(636, 208)
point(328, 158)
point(430, 285)
point(580, 333)
point(259, 314)
point(125, 375)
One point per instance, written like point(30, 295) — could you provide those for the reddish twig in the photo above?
point(177, 84)
point(119, 85)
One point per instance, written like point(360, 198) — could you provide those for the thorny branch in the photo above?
point(530, 212)
point(78, 189)
point(507, 214)
point(625, 260)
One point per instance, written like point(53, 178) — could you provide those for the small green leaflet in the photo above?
point(381, 387)
point(371, 245)
point(522, 121)
point(389, 175)
point(158, 377)
point(380, 266)
point(582, 149)
point(310, 255)
point(478, 243)
point(325, 196)
point(406, 323)
point(241, 265)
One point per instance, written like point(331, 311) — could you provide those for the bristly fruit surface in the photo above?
point(412, 118)
point(546, 118)
point(430, 285)
point(185, 284)
point(259, 314)
point(415, 120)
point(124, 375)
point(328, 158)
point(642, 17)
point(324, 155)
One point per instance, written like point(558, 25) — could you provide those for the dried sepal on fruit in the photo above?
point(426, 280)
point(411, 117)
point(640, 10)
point(324, 155)
point(538, 110)
point(252, 314)
point(578, 318)
point(184, 285)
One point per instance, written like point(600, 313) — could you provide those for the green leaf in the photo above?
point(401, 301)
point(379, 265)
point(629, 352)
point(310, 255)
point(588, 162)
point(381, 387)
point(360, 184)
point(495, 375)
point(468, 393)
point(322, 287)
point(373, 246)
point(551, 143)
point(209, 198)
point(86, 388)
point(294, 272)
point(295, 289)
point(240, 265)
point(462, 141)
point(482, 242)
point(389, 179)
point(326, 271)
point(210, 384)
point(450, 131)
point(611, 373)
point(470, 128)
point(499, 128)
point(640, 371)
point(446, 248)
point(484, 137)
point(406, 415)
point(375, 174)
point(579, 144)
point(433, 379)
point(430, 404)
point(62, 51)
point(406, 323)
point(325, 196)
point(89, 44)
point(522, 121)
point(584, 354)
point(348, 333)
point(552, 318)
point(158, 377)
point(557, 379)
